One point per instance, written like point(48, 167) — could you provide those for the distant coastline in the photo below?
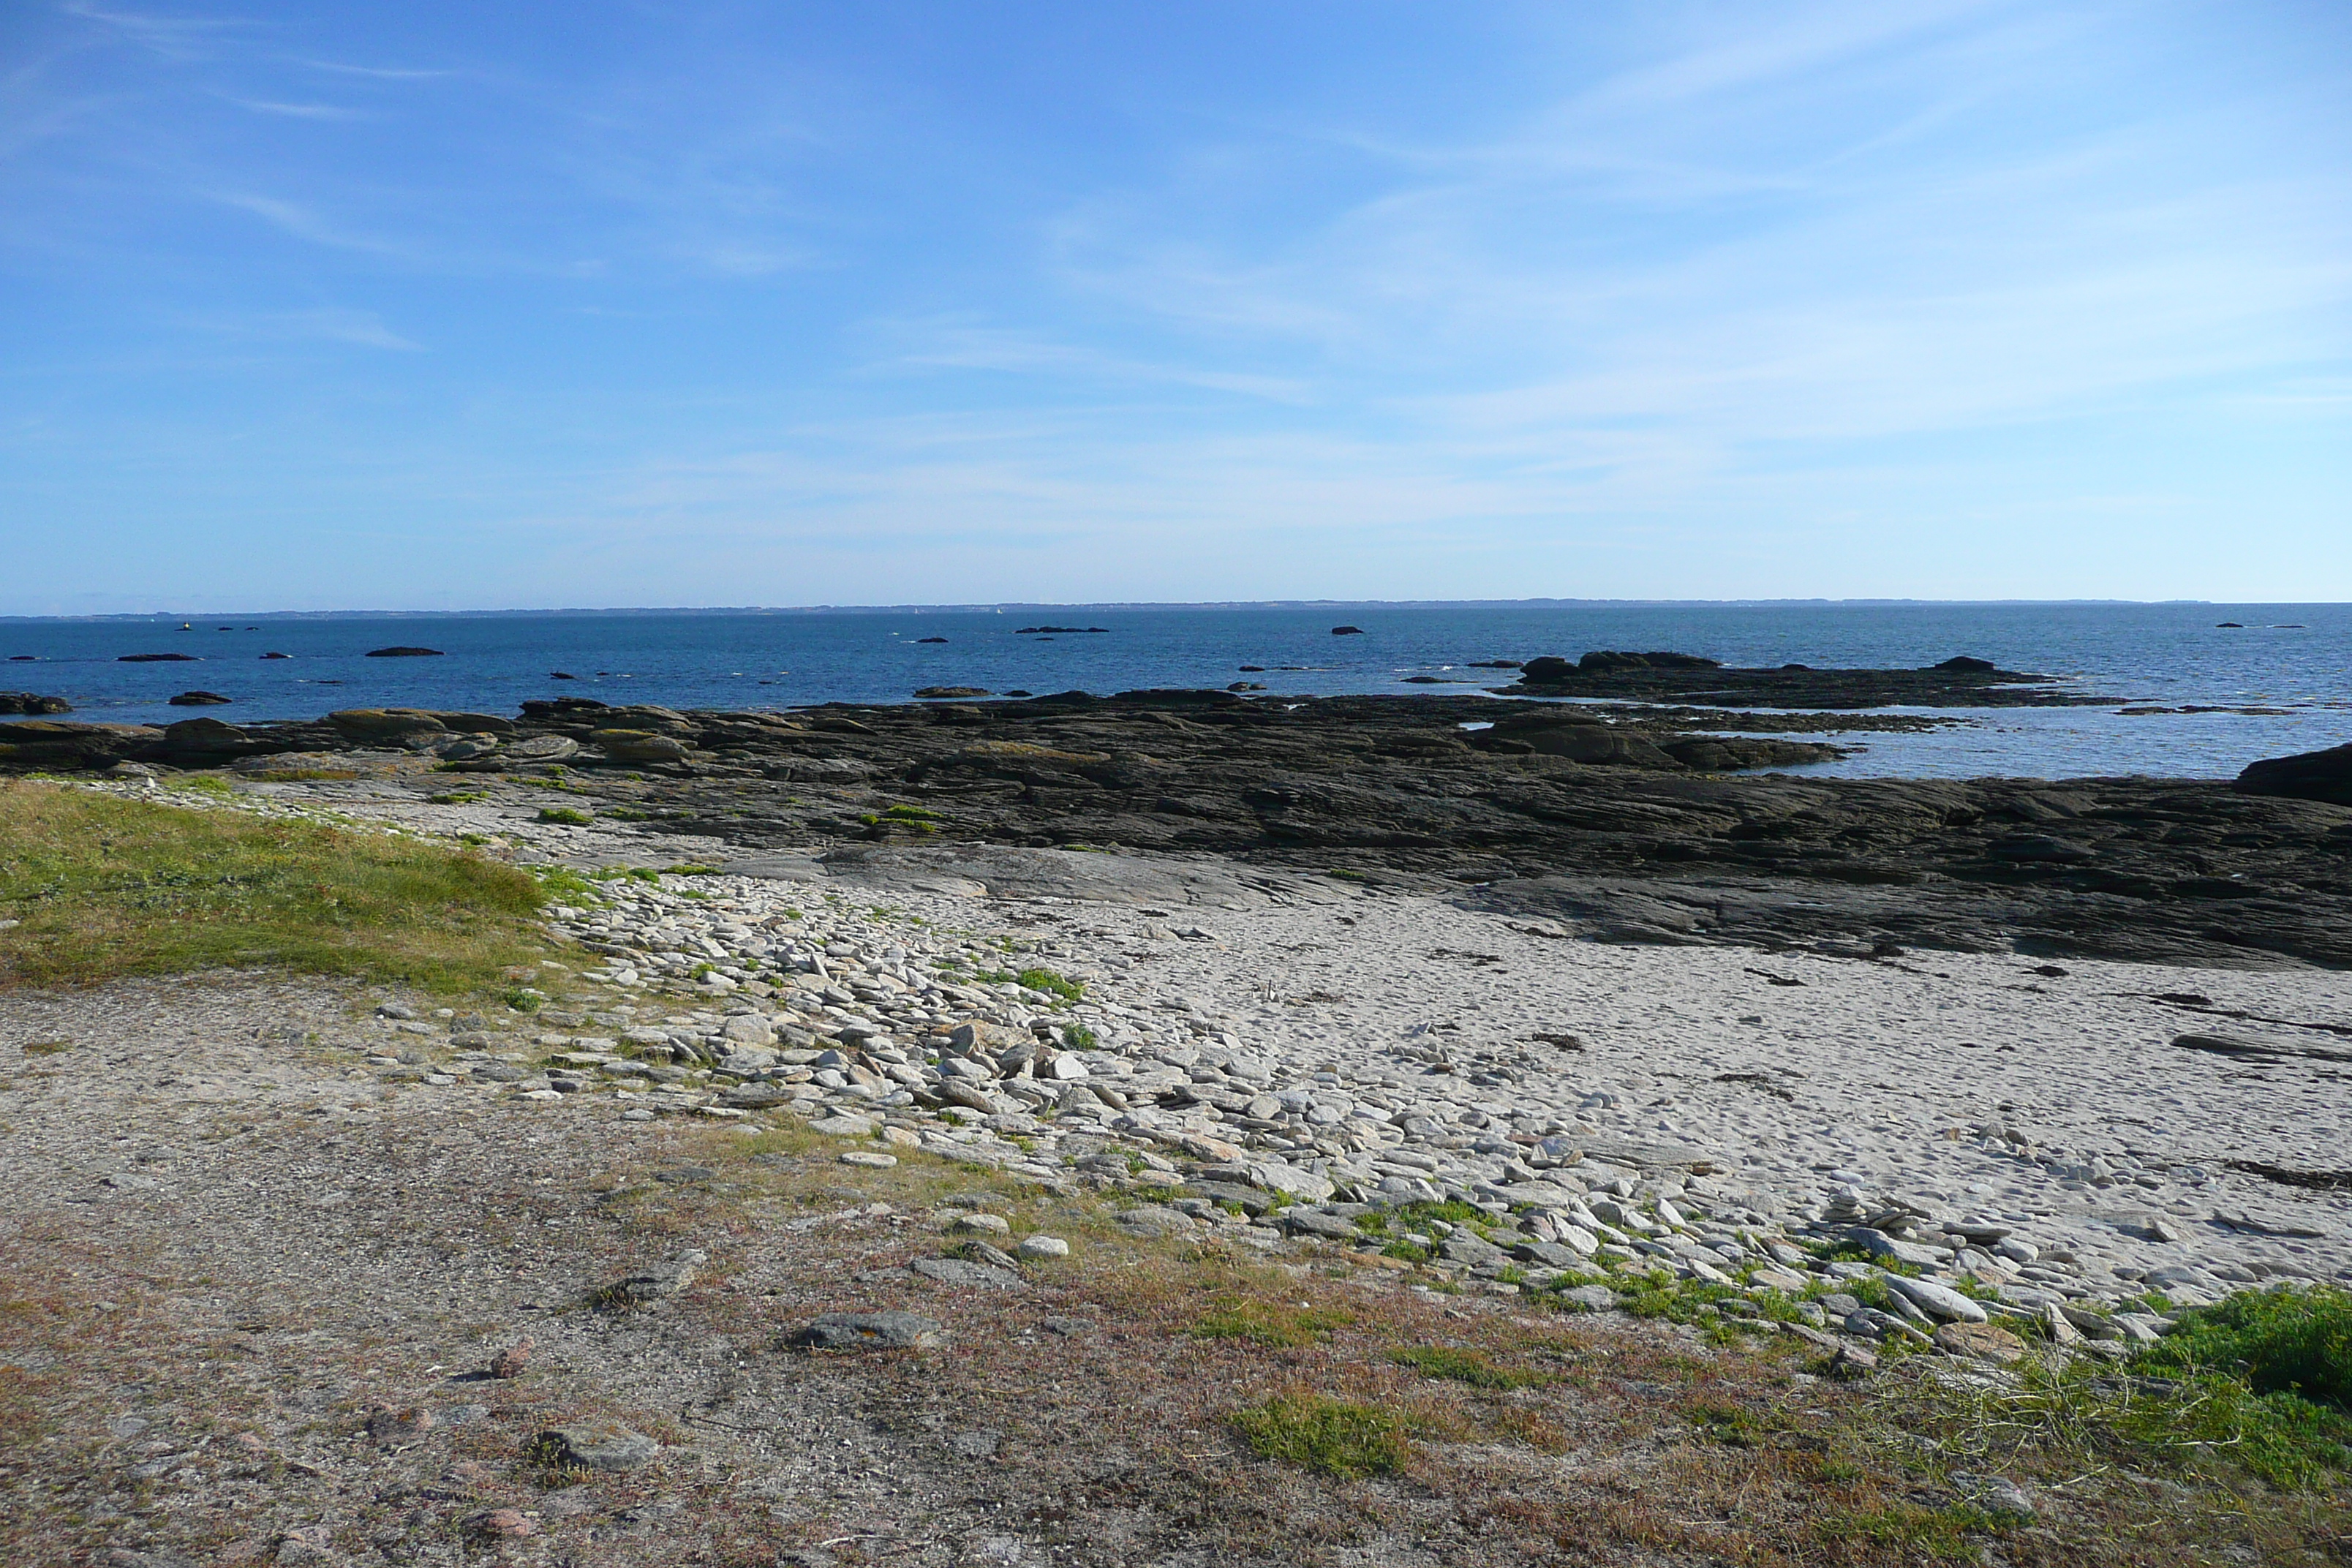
point(1010, 607)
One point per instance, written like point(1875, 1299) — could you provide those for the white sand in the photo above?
point(1894, 1065)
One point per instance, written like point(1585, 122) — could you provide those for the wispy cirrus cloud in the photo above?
point(954, 345)
point(174, 37)
point(379, 73)
point(318, 323)
point(305, 223)
point(300, 111)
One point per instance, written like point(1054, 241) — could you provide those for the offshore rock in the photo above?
point(28, 702)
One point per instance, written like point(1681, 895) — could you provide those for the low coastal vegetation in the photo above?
point(93, 886)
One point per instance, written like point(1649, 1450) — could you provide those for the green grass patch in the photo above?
point(1331, 1436)
point(1937, 1533)
point(566, 815)
point(1272, 1323)
point(913, 819)
point(106, 887)
point(1455, 1364)
point(1658, 1294)
point(298, 775)
point(1078, 1037)
point(562, 885)
point(2293, 1342)
point(1051, 984)
point(2168, 1409)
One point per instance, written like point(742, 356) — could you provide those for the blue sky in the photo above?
point(429, 306)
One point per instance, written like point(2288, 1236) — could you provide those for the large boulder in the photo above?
point(1595, 743)
point(207, 736)
point(544, 749)
point(638, 746)
point(476, 724)
point(1548, 719)
point(2308, 775)
point(1549, 670)
point(386, 726)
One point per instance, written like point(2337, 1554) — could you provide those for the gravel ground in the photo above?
point(251, 1296)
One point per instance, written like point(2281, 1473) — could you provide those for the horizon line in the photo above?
point(1007, 606)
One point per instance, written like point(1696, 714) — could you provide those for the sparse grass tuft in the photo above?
point(1271, 1323)
point(1333, 1436)
point(1940, 1534)
point(1475, 1368)
point(107, 887)
point(564, 815)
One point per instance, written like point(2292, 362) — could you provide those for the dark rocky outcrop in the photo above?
point(397, 652)
point(1737, 753)
point(53, 745)
point(30, 702)
point(1397, 793)
point(157, 658)
point(2308, 775)
point(1604, 662)
point(1665, 677)
point(199, 700)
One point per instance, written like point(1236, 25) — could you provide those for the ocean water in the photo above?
point(2297, 658)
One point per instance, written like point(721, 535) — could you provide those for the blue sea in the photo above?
point(2297, 658)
